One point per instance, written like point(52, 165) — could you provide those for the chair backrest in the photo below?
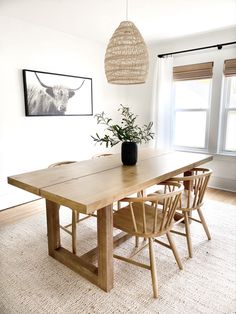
point(101, 155)
point(61, 163)
point(152, 215)
point(195, 188)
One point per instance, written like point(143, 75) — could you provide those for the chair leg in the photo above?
point(74, 220)
point(174, 250)
point(187, 229)
point(136, 241)
point(77, 217)
point(204, 223)
point(153, 268)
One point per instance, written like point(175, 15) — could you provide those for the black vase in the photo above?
point(129, 153)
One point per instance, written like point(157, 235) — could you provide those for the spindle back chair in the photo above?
point(150, 217)
point(192, 200)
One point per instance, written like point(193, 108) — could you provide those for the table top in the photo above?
point(92, 184)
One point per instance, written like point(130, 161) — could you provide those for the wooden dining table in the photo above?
point(94, 185)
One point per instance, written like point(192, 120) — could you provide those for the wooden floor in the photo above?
point(221, 196)
point(20, 212)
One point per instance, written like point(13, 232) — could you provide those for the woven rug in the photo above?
point(33, 282)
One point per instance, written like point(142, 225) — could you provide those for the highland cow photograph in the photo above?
point(51, 94)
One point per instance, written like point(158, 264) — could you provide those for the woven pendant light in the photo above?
point(126, 59)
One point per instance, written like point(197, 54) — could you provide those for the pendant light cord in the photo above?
point(126, 10)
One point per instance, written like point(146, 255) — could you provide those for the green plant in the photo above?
point(127, 131)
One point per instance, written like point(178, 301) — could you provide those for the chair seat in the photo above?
point(123, 220)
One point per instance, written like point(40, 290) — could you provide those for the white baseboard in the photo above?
point(223, 183)
point(11, 196)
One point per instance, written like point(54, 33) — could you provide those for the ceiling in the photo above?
point(97, 19)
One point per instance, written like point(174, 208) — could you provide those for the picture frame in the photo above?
point(54, 94)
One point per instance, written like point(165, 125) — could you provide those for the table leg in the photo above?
point(101, 275)
point(53, 227)
point(187, 186)
point(105, 247)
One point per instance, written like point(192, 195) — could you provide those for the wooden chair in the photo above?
point(75, 217)
point(101, 155)
point(74, 214)
point(141, 219)
point(192, 200)
point(61, 163)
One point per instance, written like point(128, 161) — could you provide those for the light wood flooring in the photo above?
point(20, 212)
point(221, 196)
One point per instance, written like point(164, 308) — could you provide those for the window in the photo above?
point(228, 109)
point(192, 90)
point(228, 142)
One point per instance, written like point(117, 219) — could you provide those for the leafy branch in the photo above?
point(128, 131)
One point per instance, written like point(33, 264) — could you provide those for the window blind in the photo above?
point(230, 67)
point(193, 71)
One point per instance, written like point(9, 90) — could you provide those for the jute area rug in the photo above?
point(33, 282)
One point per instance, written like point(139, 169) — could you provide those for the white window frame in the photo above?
point(224, 116)
point(207, 110)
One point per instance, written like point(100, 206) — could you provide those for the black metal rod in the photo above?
point(219, 46)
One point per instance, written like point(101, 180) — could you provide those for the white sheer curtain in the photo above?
point(162, 97)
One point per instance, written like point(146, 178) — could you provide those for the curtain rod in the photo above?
point(219, 46)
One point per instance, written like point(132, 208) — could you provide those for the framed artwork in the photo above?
point(52, 94)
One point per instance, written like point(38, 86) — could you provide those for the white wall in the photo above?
point(30, 143)
point(224, 167)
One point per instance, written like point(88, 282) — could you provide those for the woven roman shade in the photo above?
point(126, 59)
point(230, 67)
point(193, 71)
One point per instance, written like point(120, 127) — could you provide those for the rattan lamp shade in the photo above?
point(126, 59)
